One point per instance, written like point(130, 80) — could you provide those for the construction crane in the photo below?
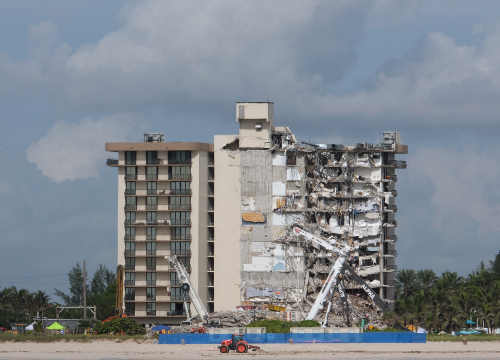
point(120, 277)
point(335, 277)
point(187, 289)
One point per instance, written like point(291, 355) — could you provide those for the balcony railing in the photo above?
point(180, 237)
point(180, 176)
point(176, 312)
point(129, 222)
point(391, 267)
point(210, 267)
point(151, 176)
point(181, 192)
point(210, 297)
point(130, 252)
point(154, 161)
point(180, 222)
point(129, 267)
point(390, 208)
point(391, 237)
point(130, 282)
point(391, 223)
point(397, 163)
point(151, 312)
point(156, 222)
point(391, 177)
point(392, 253)
point(175, 282)
point(210, 207)
point(129, 296)
point(130, 176)
point(130, 206)
point(180, 206)
point(179, 161)
point(150, 267)
point(210, 237)
point(129, 237)
point(129, 191)
point(151, 206)
point(211, 176)
point(150, 297)
point(130, 312)
point(394, 193)
point(180, 252)
point(150, 252)
point(210, 222)
point(210, 283)
point(151, 282)
point(176, 298)
point(111, 162)
point(210, 252)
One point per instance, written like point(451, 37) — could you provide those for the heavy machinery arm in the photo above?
point(380, 303)
point(186, 285)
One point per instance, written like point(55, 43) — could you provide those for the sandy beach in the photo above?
point(132, 349)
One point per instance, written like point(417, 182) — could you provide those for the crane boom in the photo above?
point(186, 283)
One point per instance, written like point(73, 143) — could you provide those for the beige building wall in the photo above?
point(227, 225)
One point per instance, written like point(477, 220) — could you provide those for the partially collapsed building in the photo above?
point(245, 194)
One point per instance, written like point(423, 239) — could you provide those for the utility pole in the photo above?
point(84, 291)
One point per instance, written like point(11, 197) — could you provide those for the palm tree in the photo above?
point(407, 282)
point(453, 317)
point(466, 303)
point(427, 278)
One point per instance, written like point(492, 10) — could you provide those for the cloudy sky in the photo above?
point(77, 74)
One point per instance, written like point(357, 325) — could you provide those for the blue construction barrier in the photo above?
point(375, 337)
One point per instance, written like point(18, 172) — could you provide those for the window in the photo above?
point(129, 233)
point(151, 203)
point(129, 218)
point(175, 294)
point(130, 203)
point(151, 173)
point(130, 263)
point(151, 218)
point(151, 294)
point(152, 188)
point(151, 279)
point(150, 248)
point(180, 188)
point(130, 189)
point(186, 261)
point(174, 279)
point(180, 233)
point(130, 173)
point(179, 157)
point(151, 157)
point(130, 279)
point(130, 157)
point(180, 248)
point(129, 248)
point(150, 263)
point(180, 172)
point(151, 309)
point(150, 233)
point(291, 158)
point(179, 203)
point(130, 309)
point(180, 218)
point(129, 293)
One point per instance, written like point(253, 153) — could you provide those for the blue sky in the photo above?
point(77, 74)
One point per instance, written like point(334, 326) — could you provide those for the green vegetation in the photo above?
point(445, 303)
point(6, 337)
point(485, 337)
point(282, 327)
point(120, 325)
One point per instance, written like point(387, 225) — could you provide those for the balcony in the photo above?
point(211, 177)
point(151, 176)
point(150, 237)
point(129, 252)
point(176, 312)
point(393, 208)
point(130, 176)
point(180, 176)
point(151, 252)
point(179, 161)
point(210, 237)
point(180, 206)
point(150, 312)
point(150, 267)
point(397, 163)
point(175, 283)
point(176, 298)
point(391, 253)
point(391, 267)
point(130, 312)
point(180, 222)
point(210, 267)
point(210, 222)
point(210, 207)
point(112, 162)
point(129, 237)
point(129, 191)
point(210, 252)
point(150, 297)
point(181, 192)
point(180, 252)
point(180, 237)
point(391, 178)
point(154, 223)
point(130, 267)
point(391, 223)
point(394, 193)
point(151, 206)
point(129, 222)
point(210, 283)
point(130, 206)
point(129, 297)
point(154, 161)
point(150, 282)
point(210, 297)
point(391, 238)
point(130, 282)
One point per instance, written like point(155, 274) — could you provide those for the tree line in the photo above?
point(446, 302)
point(22, 306)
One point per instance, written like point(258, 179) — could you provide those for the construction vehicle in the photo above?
point(335, 277)
point(120, 277)
point(236, 343)
point(188, 291)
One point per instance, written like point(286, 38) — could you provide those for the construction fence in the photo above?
point(376, 337)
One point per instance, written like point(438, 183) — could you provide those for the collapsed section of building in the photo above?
point(273, 182)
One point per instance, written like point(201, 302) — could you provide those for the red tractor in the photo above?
point(236, 343)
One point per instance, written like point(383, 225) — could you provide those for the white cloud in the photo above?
point(76, 151)
point(465, 185)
